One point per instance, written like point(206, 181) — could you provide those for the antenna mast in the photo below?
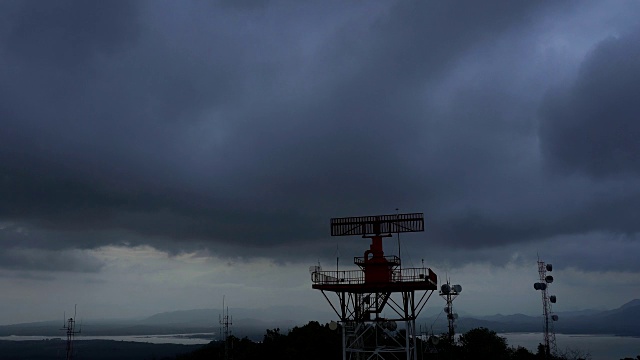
point(449, 293)
point(69, 326)
point(225, 330)
point(549, 317)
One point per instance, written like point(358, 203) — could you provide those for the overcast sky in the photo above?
point(157, 155)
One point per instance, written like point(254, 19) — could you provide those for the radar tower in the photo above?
point(379, 284)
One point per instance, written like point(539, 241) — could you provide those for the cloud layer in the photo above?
point(242, 130)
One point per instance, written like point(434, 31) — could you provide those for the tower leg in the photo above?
point(344, 341)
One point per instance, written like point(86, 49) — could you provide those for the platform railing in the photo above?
point(349, 277)
point(413, 275)
point(355, 277)
point(392, 260)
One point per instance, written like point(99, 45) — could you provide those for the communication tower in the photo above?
point(225, 330)
point(379, 284)
point(449, 293)
point(549, 317)
point(69, 326)
point(429, 341)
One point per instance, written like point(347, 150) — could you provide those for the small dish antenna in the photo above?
point(434, 340)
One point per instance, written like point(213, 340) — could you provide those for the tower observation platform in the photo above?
point(373, 298)
point(392, 279)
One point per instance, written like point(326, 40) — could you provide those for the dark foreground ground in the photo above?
point(91, 350)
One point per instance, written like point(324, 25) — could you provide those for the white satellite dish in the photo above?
point(333, 325)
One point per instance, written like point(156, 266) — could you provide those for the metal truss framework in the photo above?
point(367, 334)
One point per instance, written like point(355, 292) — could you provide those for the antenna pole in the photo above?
point(225, 322)
point(399, 255)
point(449, 292)
point(69, 326)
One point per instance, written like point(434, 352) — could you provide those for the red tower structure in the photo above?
point(372, 299)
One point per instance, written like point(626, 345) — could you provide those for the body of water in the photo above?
point(184, 339)
point(599, 347)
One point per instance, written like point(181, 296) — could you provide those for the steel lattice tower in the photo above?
point(69, 327)
point(547, 300)
point(449, 293)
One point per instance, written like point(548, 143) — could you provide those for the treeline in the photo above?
point(312, 341)
point(315, 341)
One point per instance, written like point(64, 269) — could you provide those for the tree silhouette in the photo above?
point(482, 343)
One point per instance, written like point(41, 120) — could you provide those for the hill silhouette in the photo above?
point(624, 320)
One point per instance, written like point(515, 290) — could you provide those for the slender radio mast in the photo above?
point(225, 330)
point(69, 326)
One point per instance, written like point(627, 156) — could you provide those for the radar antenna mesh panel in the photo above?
point(376, 225)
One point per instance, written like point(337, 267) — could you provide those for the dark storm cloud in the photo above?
point(111, 143)
point(600, 252)
point(27, 250)
point(589, 130)
point(185, 125)
point(591, 252)
point(591, 127)
point(66, 33)
point(48, 261)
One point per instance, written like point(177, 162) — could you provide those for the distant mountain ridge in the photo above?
point(630, 304)
point(285, 314)
point(624, 320)
point(246, 322)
